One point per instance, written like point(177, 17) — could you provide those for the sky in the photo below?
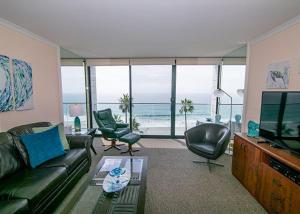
point(153, 83)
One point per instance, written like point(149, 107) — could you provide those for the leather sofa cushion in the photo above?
point(61, 131)
point(23, 130)
point(27, 129)
point(33, 185)
point(10, 160)
point(70, 160)
point(43, 146)
point(17, 206)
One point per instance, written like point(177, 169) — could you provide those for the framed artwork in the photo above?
point(22, 79)
point(278, 75)
point(6, 94)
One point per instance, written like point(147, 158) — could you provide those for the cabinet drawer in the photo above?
point(275, 191)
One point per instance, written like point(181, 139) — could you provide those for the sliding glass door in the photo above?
point(232, 82)
point(151, 93)
point(112, 90)
point(73, 93)
point(195, 83)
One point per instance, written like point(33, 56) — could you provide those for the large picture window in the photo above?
point(157, 92)
point(193, 82)
point(151, 93)
point(232, 82)
point(112, 91)
point(73, 92)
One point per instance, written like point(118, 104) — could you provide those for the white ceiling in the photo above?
point(149, 28)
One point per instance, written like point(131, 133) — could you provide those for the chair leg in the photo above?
point(113, 145)
point(209, 164)
point(201, 162)
point(130, 150)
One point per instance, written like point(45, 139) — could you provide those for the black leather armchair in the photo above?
point(110, 129)
point(208, 140)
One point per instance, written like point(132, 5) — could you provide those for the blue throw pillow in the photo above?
point(43, 146)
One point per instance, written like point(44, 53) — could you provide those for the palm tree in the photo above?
point(135, 124)
point(124, 105)
point(118, 118)
point(186, 106)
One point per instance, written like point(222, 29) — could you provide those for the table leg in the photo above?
point(92, 145)
point(93, 149)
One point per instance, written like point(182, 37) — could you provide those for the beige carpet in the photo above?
point(177, 185)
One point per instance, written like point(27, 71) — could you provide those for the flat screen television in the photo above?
point(280, 119)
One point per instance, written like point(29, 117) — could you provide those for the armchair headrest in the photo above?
point(105, 119)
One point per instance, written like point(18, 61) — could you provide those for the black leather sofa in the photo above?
point(39, 190)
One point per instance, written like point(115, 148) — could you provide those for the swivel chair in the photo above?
point(110, 129)
point(208, 140)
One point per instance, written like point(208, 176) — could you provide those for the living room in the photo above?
point(149, 107)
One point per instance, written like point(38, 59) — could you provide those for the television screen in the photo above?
point(280, 118)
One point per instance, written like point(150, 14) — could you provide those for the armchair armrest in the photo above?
point(122, 125)
point(107, 130)
point(81, 141)
point(223, 143)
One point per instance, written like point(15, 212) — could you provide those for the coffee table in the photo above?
point(129, 200)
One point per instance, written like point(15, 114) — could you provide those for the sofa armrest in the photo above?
point(81, 141)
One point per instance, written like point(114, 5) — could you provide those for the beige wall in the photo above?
point(282, 46)
point(44, 58)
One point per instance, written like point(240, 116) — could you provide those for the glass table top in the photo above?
point(132, 165)
point(132, 198)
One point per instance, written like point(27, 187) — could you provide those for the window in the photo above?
point(151, 93)
point(112, 84)
point(194, 82)
point(232, 79)
point(156, 98)
point(73, 91)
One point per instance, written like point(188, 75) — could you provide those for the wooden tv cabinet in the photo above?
point(250, 165)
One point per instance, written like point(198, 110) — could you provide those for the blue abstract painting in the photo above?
point(23, 92)
point(6, 96)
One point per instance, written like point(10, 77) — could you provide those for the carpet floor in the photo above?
point(177, 185)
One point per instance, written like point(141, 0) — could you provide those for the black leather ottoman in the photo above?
point(130, 139)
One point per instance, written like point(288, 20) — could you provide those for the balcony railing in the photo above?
point(155, 118)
